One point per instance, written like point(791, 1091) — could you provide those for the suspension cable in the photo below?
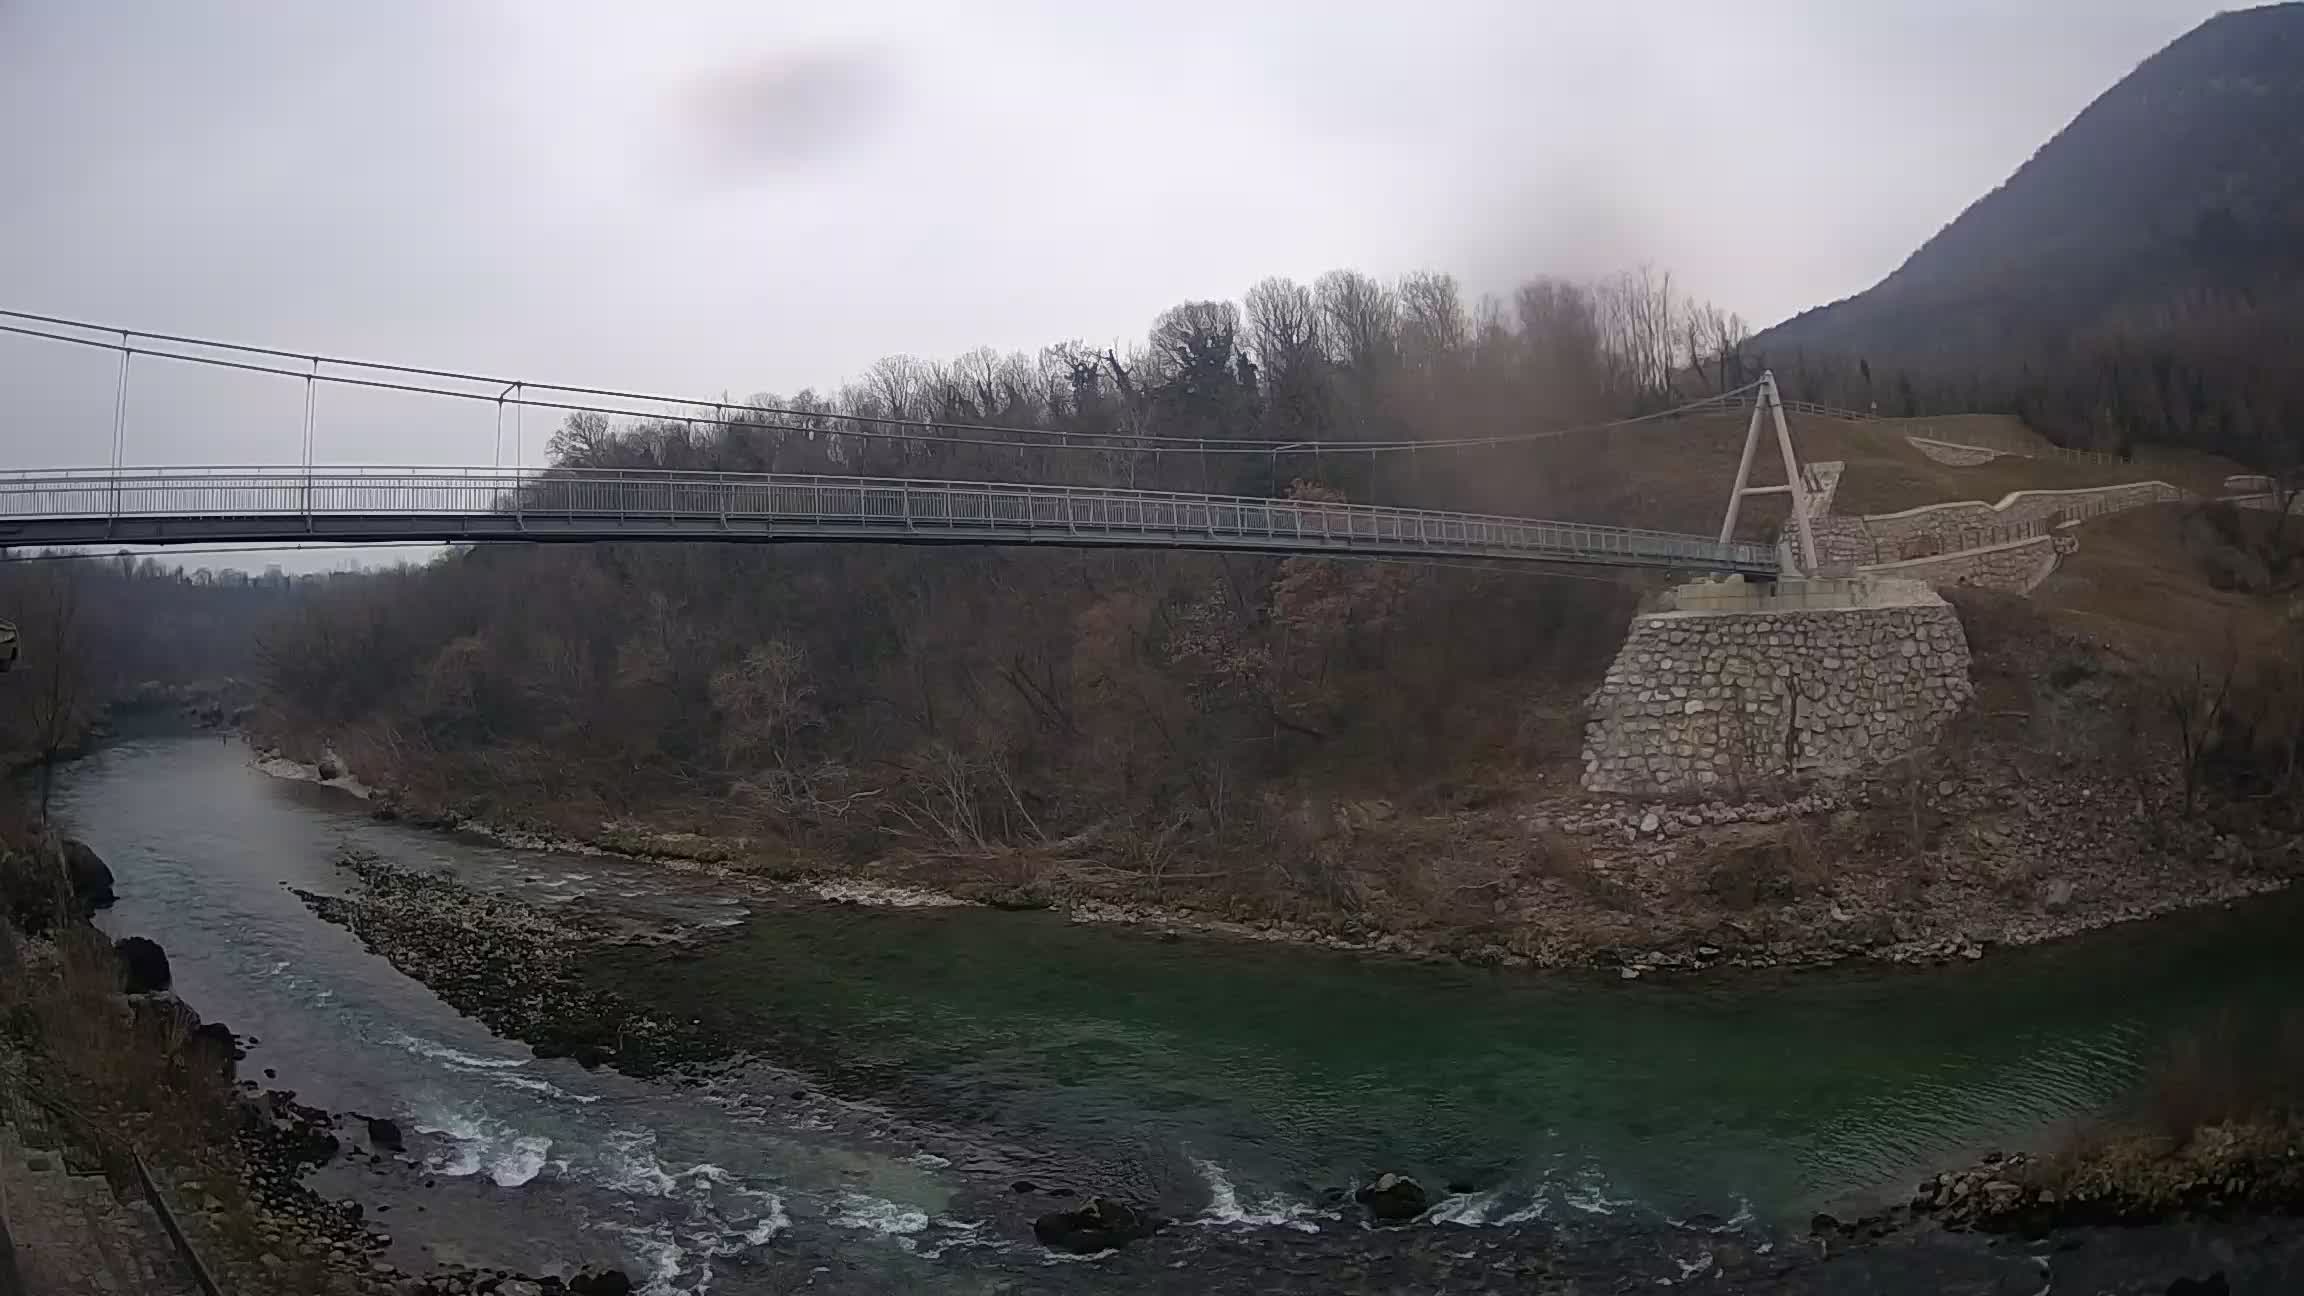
point(926, 431)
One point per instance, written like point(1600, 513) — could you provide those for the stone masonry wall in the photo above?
point(1958, 456)
point(2013, 568)
point(1945, 524)
point(1702, 701)
point(1842, 540)
point(1886, 538)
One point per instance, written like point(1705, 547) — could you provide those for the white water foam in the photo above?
point(959, 1235)
point(479, 1143)
point(771, 1223)
point(1224, 1205)
point(467, 1135)
point(1468, 1209)
point(550, 1090)
point(627, 1164)
point(439, 1052)
point(857, 1210)
point(882, 895)
point(515, 1165)
point(660, 1257)
point(1590, 1196)
point(1534, 1210)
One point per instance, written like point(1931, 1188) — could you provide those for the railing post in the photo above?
point(311, 395)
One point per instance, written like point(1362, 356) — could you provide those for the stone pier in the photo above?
point(1732, 684)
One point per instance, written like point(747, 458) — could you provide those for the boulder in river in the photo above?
point(600, 1282)
point(330, 768)
point(91, 880)
point(213, 1042)
point(1101, 1225)
point(143, 965)
point(384, 1134)
point(1393, 1199)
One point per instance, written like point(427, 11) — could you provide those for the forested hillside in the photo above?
point(843, 698)
point(2141, 278)
point(96, 632)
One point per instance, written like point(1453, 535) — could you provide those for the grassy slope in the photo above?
point(1675, 475)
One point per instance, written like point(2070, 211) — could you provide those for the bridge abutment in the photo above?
point(1735, 684)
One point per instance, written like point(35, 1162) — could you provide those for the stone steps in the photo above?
point(73, 1235)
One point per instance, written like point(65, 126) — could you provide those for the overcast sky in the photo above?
point(749, 196)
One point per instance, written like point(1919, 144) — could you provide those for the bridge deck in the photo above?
point(185, 505)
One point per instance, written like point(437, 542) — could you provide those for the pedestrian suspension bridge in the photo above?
point(120, 504)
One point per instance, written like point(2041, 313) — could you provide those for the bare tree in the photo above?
point(765, 701)
point(1360, 321)
point(1560, 329)
point(1640, 336)
point(1284, 336)
point(1283, 327)
point(1434, 326)
point(54, 697)
point(2193, 693)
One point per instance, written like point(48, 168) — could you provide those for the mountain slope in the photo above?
point(2166, 222)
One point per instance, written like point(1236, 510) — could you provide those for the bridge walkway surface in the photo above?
point(286, 504)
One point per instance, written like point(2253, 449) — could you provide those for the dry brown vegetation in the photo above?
point(2218, 1123)
point(109, 1076)
point(135, 1068)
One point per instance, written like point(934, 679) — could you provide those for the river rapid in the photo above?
point(921, 1083)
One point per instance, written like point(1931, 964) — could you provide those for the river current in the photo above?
point(914, 1067)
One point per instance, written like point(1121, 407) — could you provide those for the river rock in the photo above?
point(1101, 1225)
point(600, 1282)
point(330, 769)
point(384, 1134)
point(91, 880)
point(143, 965)
point(213, 1042)
point(1393, 1199)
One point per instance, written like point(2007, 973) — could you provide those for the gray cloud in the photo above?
point(511, 185)
point(788, 108)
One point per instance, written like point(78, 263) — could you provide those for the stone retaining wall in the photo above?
point(1842, 540)
point(1700, 702)
point(2017, 567)
point(1958, 456)
point(1946, 524)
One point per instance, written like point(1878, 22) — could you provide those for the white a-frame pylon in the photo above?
point(1766, 403)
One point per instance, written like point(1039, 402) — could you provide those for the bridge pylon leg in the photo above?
point(1766, 404)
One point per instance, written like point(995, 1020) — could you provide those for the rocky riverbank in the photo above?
point(1899, 869)
point(99, 1051)
point(511, 965)
point(293, 1228)
point(2125, 1177)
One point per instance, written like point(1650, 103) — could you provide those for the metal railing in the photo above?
point(1742, 400)
point(2013, 447)
point(166, 505)
point(117, 1153)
